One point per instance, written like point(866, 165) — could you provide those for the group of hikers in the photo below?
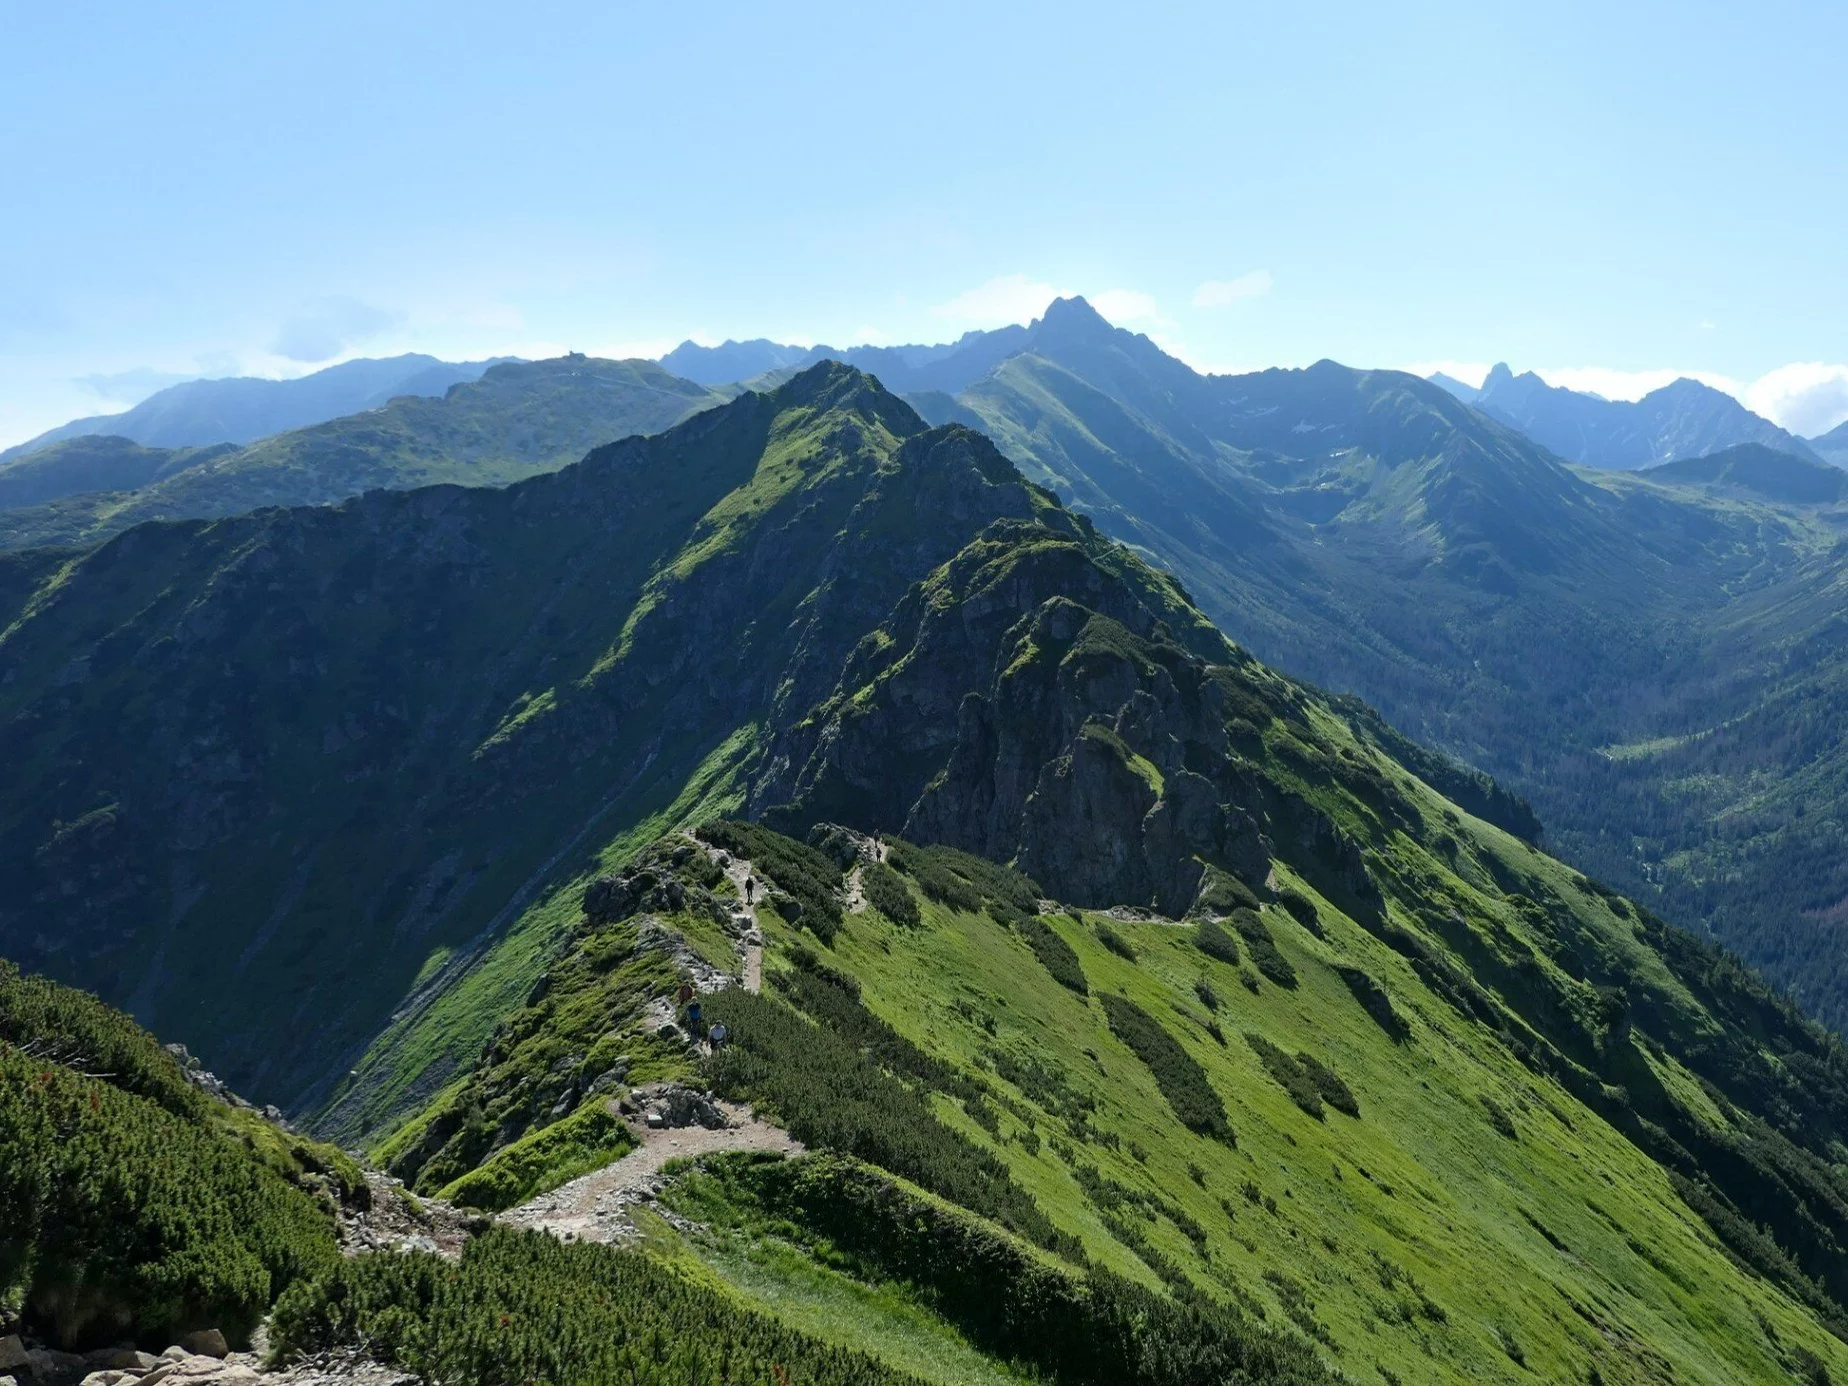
point(693, 1013)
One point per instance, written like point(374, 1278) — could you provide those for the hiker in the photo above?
point(685, 993)
point(749, 886)
point(717, 1035)
point(693, 1014)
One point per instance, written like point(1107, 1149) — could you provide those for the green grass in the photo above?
point(588, 1139)
point(1380, 1232)
point(884, 1321)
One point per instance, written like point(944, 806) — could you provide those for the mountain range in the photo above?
point(1652, 666)
point(516, 419)
point(1146, 1014)
point(1682, 419)
point(241, 409)
point(904, 370)
point(1649, 657)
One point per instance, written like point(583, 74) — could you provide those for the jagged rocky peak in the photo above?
point(1073, 314)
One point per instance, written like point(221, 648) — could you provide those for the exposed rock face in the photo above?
point(1044, 705)
point(1077, 761)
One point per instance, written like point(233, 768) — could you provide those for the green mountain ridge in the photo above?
point(1650, 666)
point(517, 420)
point(503, 675)
point(1176, 1028)
point(93, 463)
point(1761, 472)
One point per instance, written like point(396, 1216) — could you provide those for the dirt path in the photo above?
point(750, 937)
point(596, 1207)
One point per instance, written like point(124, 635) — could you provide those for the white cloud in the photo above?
point(1808, 397)
point(1010, 298)
point(326, 327)
point(1223, 293)
point(1127, 305)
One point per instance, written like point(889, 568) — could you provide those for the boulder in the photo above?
point(688, 1108)
point(612, 1077)
point(12, 1353)
point(207, 1342)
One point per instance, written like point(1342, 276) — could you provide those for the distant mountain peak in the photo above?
point(1074, 320)
point(1686, 387)
point(1075, 311)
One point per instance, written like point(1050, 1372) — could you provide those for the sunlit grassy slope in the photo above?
point(1474, 1223)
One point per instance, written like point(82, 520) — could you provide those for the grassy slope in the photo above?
point(805, 1292)
point(1622, 1275)
point(135, 1205)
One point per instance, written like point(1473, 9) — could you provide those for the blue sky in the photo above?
point(1612, 193)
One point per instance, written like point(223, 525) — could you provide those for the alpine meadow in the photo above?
point(1075, 841)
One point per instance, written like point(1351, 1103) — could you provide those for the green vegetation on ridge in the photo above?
point(1494, 1121)
point(135, 1206)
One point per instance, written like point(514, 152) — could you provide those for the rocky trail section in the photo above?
point(744, 918)
point(677, 1124)
point(202, 1360)
point(397, 1221)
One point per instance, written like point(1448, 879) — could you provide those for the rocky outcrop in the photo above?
point(1043, 706)
point(673, 1106)
point(657, 883)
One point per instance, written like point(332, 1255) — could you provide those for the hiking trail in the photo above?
point(597, 1206)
